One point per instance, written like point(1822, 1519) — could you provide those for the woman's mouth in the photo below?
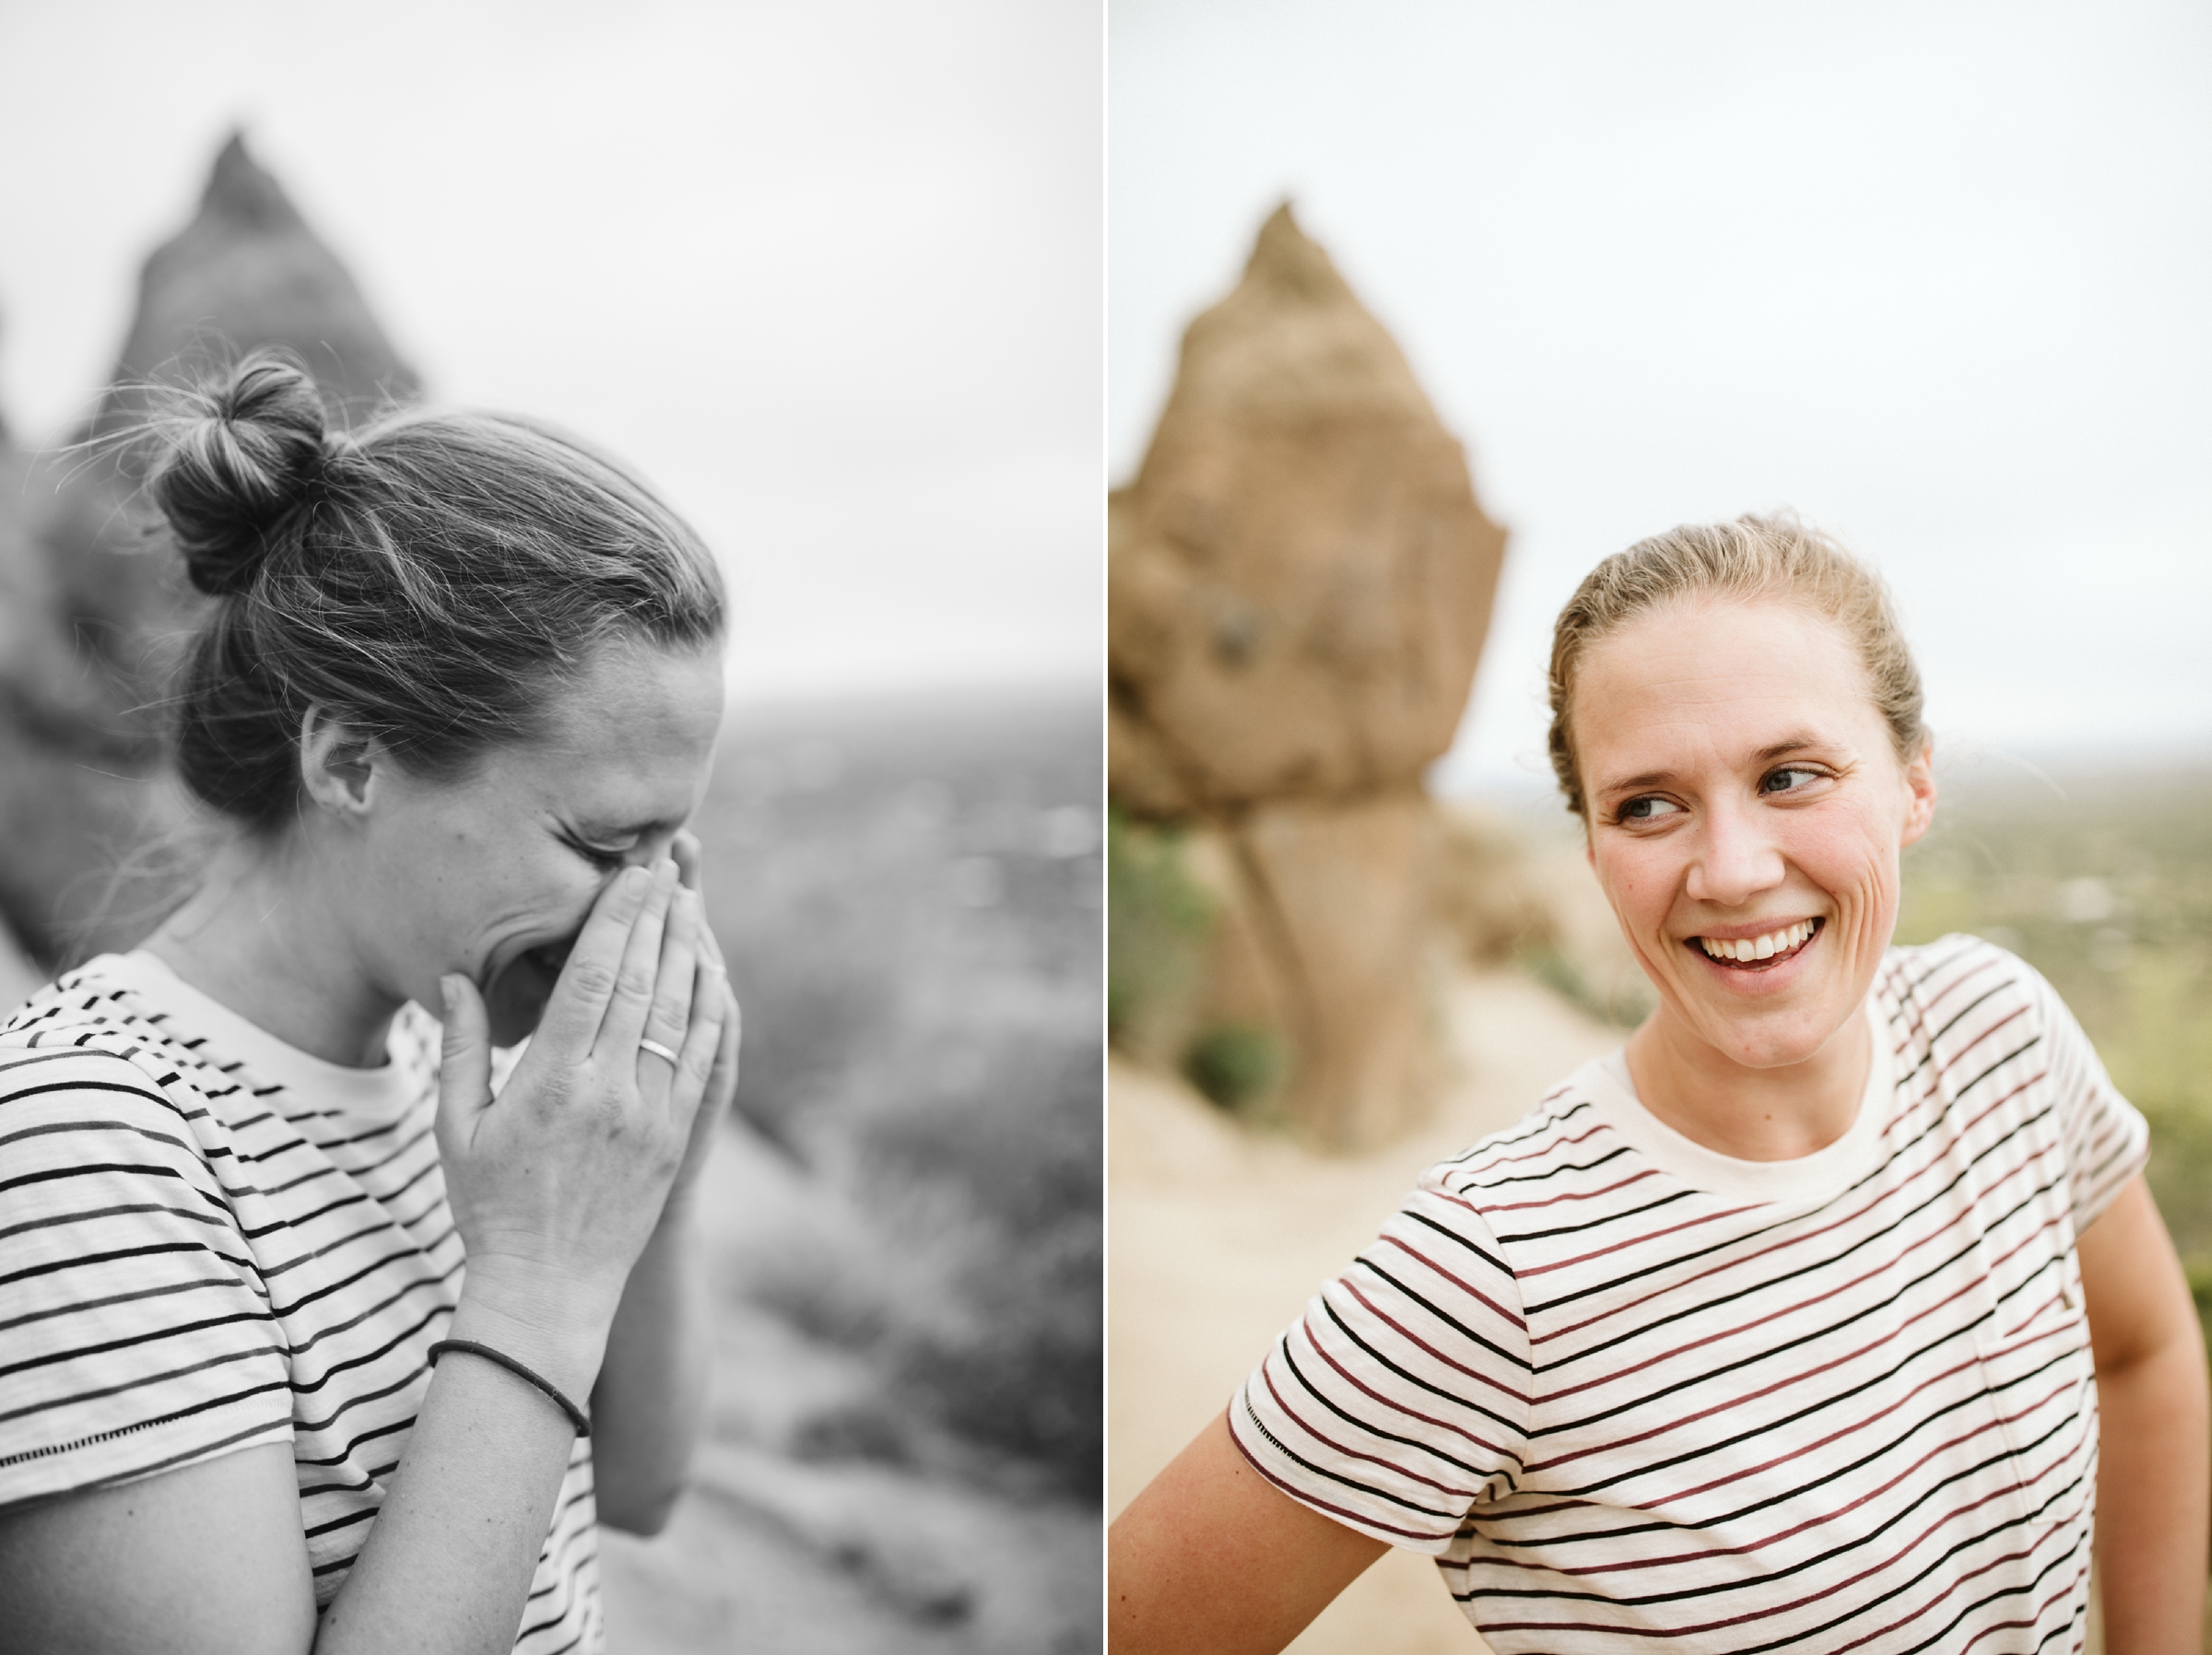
point(1758, 953)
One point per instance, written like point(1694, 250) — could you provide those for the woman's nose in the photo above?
point(1735, 859)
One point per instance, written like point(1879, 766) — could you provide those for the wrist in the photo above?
point(557, 1328)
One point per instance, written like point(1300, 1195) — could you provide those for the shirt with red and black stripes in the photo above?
point(1635, 1395)
point(210, 1241)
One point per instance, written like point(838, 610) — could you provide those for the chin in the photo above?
point(1777, 1039)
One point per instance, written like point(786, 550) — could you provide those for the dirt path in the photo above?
point(1217, 1239)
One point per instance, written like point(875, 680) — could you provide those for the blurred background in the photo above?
point(831, 277)
point(1933, 277)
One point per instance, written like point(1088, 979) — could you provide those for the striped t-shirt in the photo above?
point(1633, 1396)
point(211, 1240)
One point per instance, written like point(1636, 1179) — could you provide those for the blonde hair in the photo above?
point(1753, 557)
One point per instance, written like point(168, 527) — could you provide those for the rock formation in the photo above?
point(87, 600)
point(1300, 582)
point(248, 272)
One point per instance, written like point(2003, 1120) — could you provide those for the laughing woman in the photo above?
point(311, 1336)
point(1832, 1313)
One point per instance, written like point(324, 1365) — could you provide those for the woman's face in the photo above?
point(1742, 793)
point(492, 875)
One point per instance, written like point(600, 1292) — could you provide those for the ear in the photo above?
point(340, 766)
point(1920, 788)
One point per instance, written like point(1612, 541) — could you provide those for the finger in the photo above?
point(623, 1024)
point(733, 1038)
point(695, 1066)
point(673, 990)
point(587, 979)
point(685, 849)
point(710, 1005)
point(465, 1065)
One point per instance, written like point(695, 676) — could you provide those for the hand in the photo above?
point(722, 1083)
point(556, 1183)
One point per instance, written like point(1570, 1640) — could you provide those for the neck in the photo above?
point(1777, 1114)
point(261, 936)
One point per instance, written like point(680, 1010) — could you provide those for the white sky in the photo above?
point(1937, 275)
point(829, 273)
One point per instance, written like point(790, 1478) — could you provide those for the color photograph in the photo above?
point(1640, 536)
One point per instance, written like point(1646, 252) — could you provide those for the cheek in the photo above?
point(479, 893)
point(1639, 877)
point(1852, 856)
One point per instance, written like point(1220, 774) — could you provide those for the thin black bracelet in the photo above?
point(582, 1420)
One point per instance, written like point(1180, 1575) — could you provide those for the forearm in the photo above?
point(446, 1567)
point(652, 1385)
point(2154, 1486)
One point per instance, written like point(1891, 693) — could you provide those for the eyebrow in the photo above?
point(1796, 741)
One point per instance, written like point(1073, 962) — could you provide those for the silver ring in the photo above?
point(661, 1051)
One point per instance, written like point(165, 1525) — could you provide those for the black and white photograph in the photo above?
point(550, 616)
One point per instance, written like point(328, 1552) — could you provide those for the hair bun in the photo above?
point(237, 459)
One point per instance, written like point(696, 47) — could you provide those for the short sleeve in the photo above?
point(1401, 1399)
point(136, 1334)
point(2107, 1140)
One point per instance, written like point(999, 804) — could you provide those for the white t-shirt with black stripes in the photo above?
point(1634, 1395)
point(211, 1240)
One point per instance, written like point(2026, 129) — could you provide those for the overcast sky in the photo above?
point(831, 273)
point(1938, 276)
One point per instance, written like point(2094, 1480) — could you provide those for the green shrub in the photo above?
point(1157, 920)
point(1235, 1065)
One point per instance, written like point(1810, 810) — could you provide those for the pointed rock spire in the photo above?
point(81, 606)
point(249, 271)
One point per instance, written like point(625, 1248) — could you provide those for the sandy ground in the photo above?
point(1216, 1239)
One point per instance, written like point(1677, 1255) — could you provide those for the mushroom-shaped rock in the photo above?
point(1300, 580)
point(1300, 577)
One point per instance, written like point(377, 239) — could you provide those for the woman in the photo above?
point(1790, 1326)
point(455, 695)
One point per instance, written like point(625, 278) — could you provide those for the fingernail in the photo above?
point(448, 994)
point(635, 880)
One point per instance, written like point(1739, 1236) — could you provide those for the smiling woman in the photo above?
point(456, 693)
point(1831, 1313)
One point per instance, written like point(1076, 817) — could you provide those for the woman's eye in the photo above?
point(607, 862)
point(1648, 809)
point(1788, 778)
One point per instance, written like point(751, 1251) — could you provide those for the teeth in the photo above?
point(1764, 947)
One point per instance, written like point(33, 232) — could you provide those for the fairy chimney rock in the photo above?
point(1300, 577)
